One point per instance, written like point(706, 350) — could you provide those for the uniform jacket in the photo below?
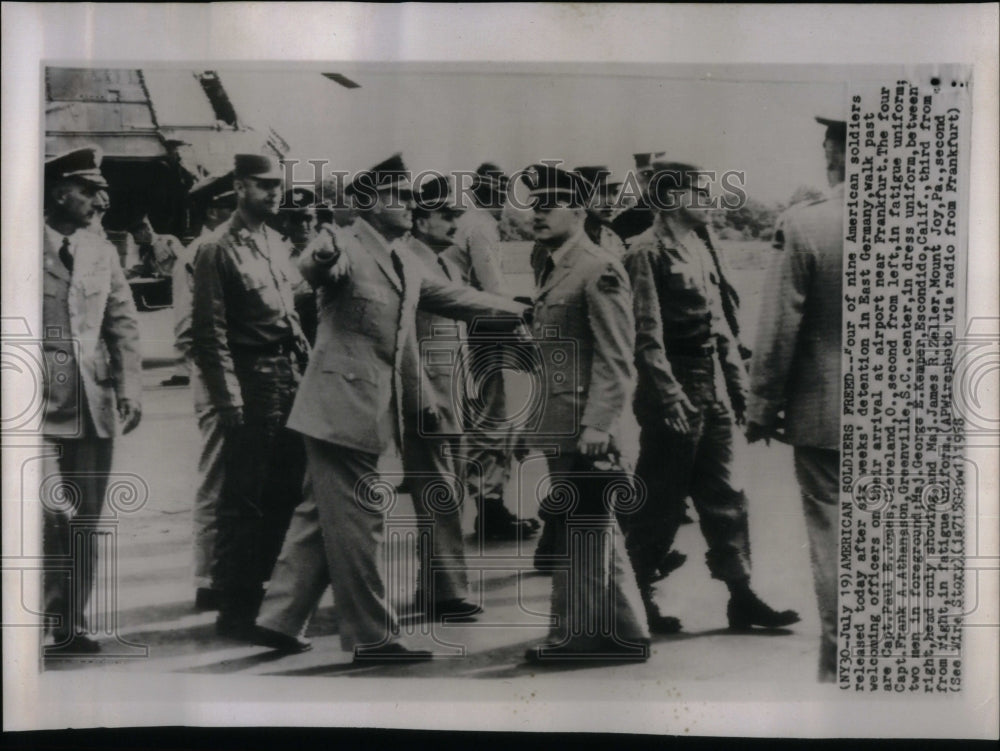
point(102, 343)
point(363, 375)
point(796, 362)
point(633, 221)
point(583, 325)
point(441, 343)
point(242, 298)
point(604, 236)
point(476, 251)
point(673, 313)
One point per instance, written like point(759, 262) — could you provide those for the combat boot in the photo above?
point(746, 610)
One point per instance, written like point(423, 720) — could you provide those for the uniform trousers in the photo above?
point(818, 473)
point(263, 466)
point(73, 489)
point(302, 573)
point(487, 447)
point(698, 464)
point(351, 514)
point(594, 594)
point(210, 474)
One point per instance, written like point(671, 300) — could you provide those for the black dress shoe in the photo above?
point(456, 610)
point(605, 650)
point(267, 637)
point(176, 380)
point(500, 525)
point(241, 629)
point(390, 653)
point(747, 610)
point(662, 625)
point(79, 645)
point(206, 599)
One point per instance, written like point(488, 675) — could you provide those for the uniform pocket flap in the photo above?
point(349, 368)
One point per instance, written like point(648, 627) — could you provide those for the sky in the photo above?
point(457, 119)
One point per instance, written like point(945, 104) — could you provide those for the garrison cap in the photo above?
point(386, 175)
point(549, 184)
point(82, 164)
point(257, 166)
point(836, 130)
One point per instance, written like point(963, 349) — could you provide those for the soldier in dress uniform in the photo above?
point(487, 446)
point(429, 451)
point(360, 391)
point(796, 371)
point(248, 343)
point(583, 326)
point(600, 210)
point(691, 390)
point(639, 218)
point(92, 382)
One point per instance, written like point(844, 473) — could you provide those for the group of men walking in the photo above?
point(318, 350)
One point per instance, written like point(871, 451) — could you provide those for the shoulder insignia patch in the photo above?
point(609, 280)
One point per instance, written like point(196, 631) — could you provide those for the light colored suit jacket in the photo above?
point(98, 358)
point(476, 251)
point(363, 375)
point(796, 360)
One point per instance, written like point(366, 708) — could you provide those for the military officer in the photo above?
point(583, 326)
point(92, 382)
point(600, 210)
point(691, 389)
point(296, 220)
point(429, 450)
point(796, 370)
point(488, 446)
point(215, 197)
point(157, 252)
point(362, 386)
point(248, 344)
point(637, 219)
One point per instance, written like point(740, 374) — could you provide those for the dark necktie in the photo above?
point(547, 270)
point(397, 264)
point(444, 267)
point(65, 256)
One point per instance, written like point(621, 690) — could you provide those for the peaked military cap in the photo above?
point(258, 166)
point(549, 184)
point(669, 176)
point(435, 195)
point(79, 164)
point(298, 199)
point(215, 190)
point(389, 174)
point(836, 130)
point(644, 160)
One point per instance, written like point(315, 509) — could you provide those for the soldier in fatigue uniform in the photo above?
point(488, 450)
point(691, 390)
point(248, 344)
point(639, 218)
point(584, 305)
point(219, 200)
point(796, 370)
point(92, 382)
point(599, 211)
